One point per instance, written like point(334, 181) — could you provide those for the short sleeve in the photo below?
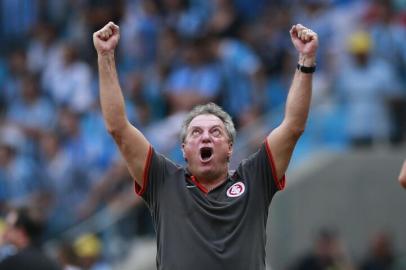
point(155, 169)
point(259, 168)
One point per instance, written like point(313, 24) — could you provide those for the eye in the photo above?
point(195, 132)
point(216, 132)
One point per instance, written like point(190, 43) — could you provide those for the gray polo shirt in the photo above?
point(217, 230)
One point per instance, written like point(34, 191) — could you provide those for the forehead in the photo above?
point(206, 121)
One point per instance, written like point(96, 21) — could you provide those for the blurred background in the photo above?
point(342, 208)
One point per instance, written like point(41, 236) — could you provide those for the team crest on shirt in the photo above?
point(236, 190)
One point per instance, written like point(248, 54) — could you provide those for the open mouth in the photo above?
point(206, 153)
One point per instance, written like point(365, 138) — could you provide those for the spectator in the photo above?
point(75, 91)
point(389, 39)
point(381, 254)
point(16, 68)
point(269, 40)
point(365, 86)
point(43, 48)
point(88, 248)
point(112, 189)
point(186, 16)
point(6, 249)
point(17, 18)
point(328, 254)
point(315, 13)
point(66, 181)
point(196, 82)
point(31, 103)
point(67, 257)
point(139, 110)
point(24, 232)
point(388, 36)
point(224, 20)
point(20, 177)
point(240, 68)
point(140, 31)
point(98, 12)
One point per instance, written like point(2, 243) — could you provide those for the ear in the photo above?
point(183, 151)
point(230, 149)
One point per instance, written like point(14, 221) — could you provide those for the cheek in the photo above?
point(186, 151)
point(189, 149)
point(223, 146)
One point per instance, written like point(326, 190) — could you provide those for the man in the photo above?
point(382, 254)
point(402, 175)
point(23, 231)
point(328, 253)
point(204, 216)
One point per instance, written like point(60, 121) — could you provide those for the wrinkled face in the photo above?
point(207, 147)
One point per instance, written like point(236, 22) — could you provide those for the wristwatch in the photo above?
point(305, 69)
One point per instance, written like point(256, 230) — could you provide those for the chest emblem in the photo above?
point(236, 190)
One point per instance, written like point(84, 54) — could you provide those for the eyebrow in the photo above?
point(210, 127)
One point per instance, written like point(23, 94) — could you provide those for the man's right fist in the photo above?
point(106, 39)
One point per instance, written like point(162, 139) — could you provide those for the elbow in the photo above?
point(295, 125)
point(115, 130)
point(112, 131)
point(115, 121)
point(117, 135)
point(296, 130)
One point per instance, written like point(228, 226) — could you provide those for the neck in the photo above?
point(211, 183)
point(211, 186)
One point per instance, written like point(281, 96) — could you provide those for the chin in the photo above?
point(206, 173)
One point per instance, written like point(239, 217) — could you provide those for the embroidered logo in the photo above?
point(236, 190)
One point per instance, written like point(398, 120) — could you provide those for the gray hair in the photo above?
point(209, 108)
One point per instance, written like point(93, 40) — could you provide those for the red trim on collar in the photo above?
point(140, 190)
point(280, 183)
point(198, 184)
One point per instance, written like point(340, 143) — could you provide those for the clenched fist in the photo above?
point(305, 41)
point(106, 39)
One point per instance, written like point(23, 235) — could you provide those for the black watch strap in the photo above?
point(306, 69)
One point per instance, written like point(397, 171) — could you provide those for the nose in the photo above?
point(206, 136)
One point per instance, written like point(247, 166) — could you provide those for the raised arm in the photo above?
point(402, 175)
point(132, 144)
point(282, 139)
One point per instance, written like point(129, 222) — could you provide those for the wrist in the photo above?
point(306, 70)
point(106, 59)
point(307, 60)
point(105, 55)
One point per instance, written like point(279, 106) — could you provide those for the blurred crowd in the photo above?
point(55, 153)
point(329, 252)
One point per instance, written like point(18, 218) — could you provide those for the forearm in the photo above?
point(132, 144)
point(111, 97)
point(299, 98)
point(283, 139)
